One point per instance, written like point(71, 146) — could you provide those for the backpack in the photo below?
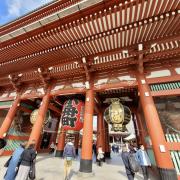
point(134, 165)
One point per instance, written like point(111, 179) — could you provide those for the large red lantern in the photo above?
point(72, 115)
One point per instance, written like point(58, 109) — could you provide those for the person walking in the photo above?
point(52, 148)
point(100, 156)
point(144, 161)
point(27, 159)
point(68, 154)
point(13, 163)
point(125, 158)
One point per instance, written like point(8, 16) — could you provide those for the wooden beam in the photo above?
point(7, 98)
point(24, 109)
point(163, 79)
point(68, 91)
point(119, 85)
point(173, 92)
point(175, 146)
point(53, 108)
point(31, 96)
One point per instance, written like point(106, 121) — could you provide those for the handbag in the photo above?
point(7, 162)
point(68, 158)
point(133, 163)
point(32, 171)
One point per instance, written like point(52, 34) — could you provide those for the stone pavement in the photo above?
point(51, 168)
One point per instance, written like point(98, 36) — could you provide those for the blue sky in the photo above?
point(12, 9)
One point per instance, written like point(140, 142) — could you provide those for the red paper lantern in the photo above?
point(72, 115)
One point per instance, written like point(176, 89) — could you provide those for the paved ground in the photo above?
point(51, 168)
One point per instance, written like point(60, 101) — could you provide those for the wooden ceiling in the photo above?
point(98, 39)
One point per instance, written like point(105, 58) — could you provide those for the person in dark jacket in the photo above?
point(68, 154)
point(11, 171)
point(125, 159)
point(27, 158)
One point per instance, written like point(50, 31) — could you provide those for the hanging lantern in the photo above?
point(117, 115)
point(72, 115)
point(34, 115)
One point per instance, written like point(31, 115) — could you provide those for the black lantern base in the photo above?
point(167, 174)
point(85, 166)
point(59, 153)
point(107, 155)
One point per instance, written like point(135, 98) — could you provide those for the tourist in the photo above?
point(13, 162)
point(113, 148)
point(100, 156)
point(144, 161)
point(27, 160)
point(125, 158)
point(68, 154)
point(52, 148)
point(94, 148)
point(2, 145)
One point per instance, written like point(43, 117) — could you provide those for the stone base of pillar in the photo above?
point(107, 155)
point(76, 151)
point(85, 175)
point(59, 153)
point(85, 166)
point(167, 174)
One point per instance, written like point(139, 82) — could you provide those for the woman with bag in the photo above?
point(100, 156)
point(68, 154)
point(13, 161)
point(27, 158)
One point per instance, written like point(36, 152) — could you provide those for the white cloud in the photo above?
point(17, 8)
point(14, 7)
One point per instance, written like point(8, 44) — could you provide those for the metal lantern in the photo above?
point(34, 115)
point(72, 115)
point(117, 115)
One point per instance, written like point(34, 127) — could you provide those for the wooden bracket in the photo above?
point(14, 81)
point(85, 66)
point(44, 76)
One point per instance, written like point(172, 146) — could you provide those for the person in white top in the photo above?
point(100, 156)
point(52, 148)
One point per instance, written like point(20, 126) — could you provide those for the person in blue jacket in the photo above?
point(68, 154)
point(11, 171)
point(144, 161)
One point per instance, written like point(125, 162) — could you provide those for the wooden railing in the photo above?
point(174, 147)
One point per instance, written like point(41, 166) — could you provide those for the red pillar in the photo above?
point(162, 154)
point(36, 130)
point(86, 153)
point(107, 145)
point(61, 143)
point(9, 117)
point(100, 131)
point(76, 142)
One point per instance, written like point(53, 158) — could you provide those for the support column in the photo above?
point(76, 143)
point(163, 158)
point(107, 148)
point(9, 117)
point(140, 128)
point(100, 131)
point(61, 143)
point(86, 153)
point(36, 130)
point(135, 128)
